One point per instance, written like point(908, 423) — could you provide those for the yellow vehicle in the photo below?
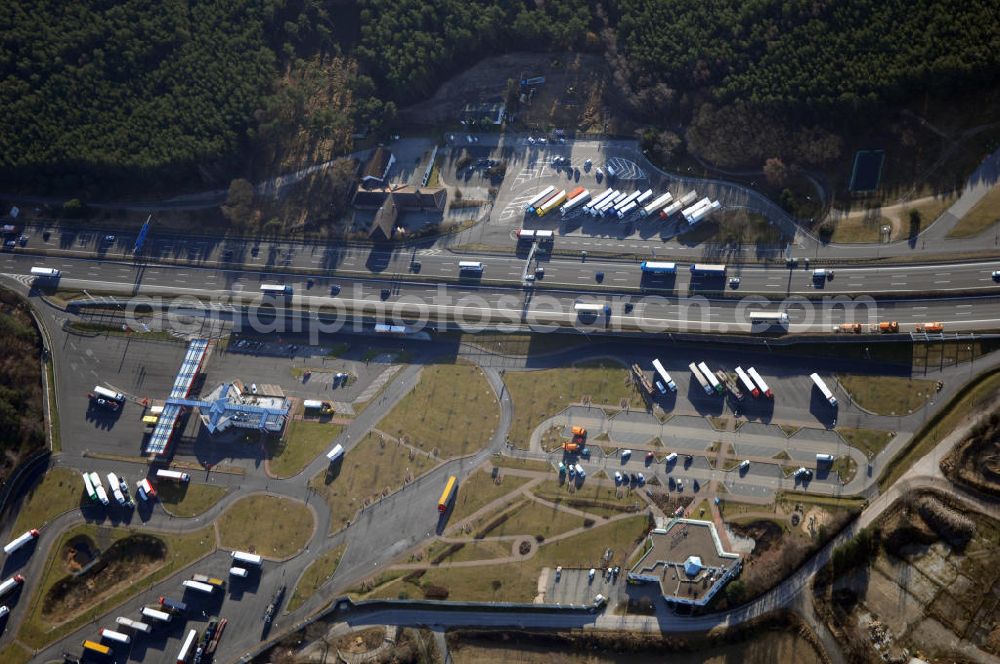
point(99, 648)
point(448, 494)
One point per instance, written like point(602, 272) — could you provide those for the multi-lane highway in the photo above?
point(689, 306)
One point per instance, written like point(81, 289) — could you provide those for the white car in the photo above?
point(618, 477)
point(640, 479)
point(745, 465)
point(253, 388)
point(580, 471)
point(590, 576)
point(625, 455)
point(996, 275)
point(558, 572)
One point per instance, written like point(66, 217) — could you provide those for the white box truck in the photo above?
point(335, 453)
point(247, 558)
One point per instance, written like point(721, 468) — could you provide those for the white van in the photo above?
point(335, 453)
point(579, 471)
point(672, 457)
point(238, 571)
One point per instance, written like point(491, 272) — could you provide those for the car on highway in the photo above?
point(109, 239)
point(539, 272)
point(10, 244)
point(996, 275)
point(335, 290)
point(734, 282)
point(384, 293)
point(599, 277)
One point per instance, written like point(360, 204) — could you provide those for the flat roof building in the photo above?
point(687, 559)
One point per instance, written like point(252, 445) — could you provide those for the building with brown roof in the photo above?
point(376, 171)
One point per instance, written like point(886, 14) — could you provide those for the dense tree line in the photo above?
point(22, 425)
point(127, 89)
point(816, 53)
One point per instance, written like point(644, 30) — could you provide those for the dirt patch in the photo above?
point(364, 641)
point(813, 520)
point(131, 558)
point(79, 552)
point(572, 96)
point(975, 461)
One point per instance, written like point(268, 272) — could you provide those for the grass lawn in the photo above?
point(869, 441)
point(887, 395)
point(985, 213)
point(182, 550)
point(946, 420)
point(731, 509)
point(14, 654)
point(59, 491)
point(522, 464)
point(475, 550)
point(541, 394)
point(733, 228)
point(593, 498)
point(318, 573)
point(370, 469)
point(186, 499)
point(267, 525)
point(853, 503)
point(859, 228)
point(452, 411)
point(536, 519)
point(845, 467)
point(305, 440)
point(518, 581)
point(517, 344)
point(479, 490)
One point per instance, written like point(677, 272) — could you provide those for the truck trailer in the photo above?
point(657, 205)
point(765, 390)
point(705, 385)
point(20, 541)
point(679, 204)
point(713, 381)
point(747, 383)
point(821, 384)
point(574, 203)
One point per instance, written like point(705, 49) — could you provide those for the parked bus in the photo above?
point(206, 588)
point(155, 614)
point(538, 199)
point(448, 494)
point(275, 289)
point(760, 383)
point(470, 266)
point(769, 317)
point(112, 635)
point(247, 558)
point(821, 384)
point(713, 381)
point(134, 624)
point(105, 393)
point(658, 267)
point(708, 269)
point(747, 383)
point(45, 272)
point(95, 647)
point(187, 647)
point(177, 476)
point(20, 541)
point(668, 382)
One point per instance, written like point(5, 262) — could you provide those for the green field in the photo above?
point(947, 419)
point(869, 441)
point(319, 572)
point(479, 490)
point(372, 468)
point(981, 217)
point(518, 581)
point(304, 441)
point(537, 520)
point(187, 499)
point(59, 491)
point(887, 395)
point(182, 550)
point(451, 412)
point(267, 525)
point(538, 395)
point(591, 498)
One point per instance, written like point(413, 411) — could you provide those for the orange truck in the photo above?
point(578, 432)
point(571, 447)
point(930, 327)
point(848, 327)
point(888, 327)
